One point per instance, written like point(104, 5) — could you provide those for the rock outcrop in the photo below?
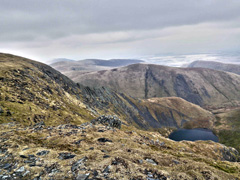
point(112, 121)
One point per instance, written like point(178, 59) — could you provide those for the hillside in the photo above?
point(32, 92)
point(74, 68)
point(46, 131)
point(204, 87)
point(102, 152)
point(233, 68)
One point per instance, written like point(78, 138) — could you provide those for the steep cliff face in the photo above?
point(204, 87)
point(233, 68)
point(150, 113)
point(31, 92)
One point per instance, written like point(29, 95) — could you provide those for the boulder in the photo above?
point(230, 154)
point(112, 121)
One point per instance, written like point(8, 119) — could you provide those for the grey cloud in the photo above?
point(116, 24)
point(73, 17)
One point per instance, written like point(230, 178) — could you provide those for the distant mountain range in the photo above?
point(234, 68)
point(74, 68)
point(59, 60)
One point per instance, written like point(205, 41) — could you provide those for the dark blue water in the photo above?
point(193, 135)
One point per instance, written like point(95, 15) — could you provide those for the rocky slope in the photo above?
point(233, 68)
point(204, 87)
point(74, 68)
point(31, 92)
point(46, 132)
point(99, 152)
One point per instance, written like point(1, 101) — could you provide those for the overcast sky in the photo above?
point(79, 29)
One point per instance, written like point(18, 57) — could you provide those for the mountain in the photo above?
point(59, 60)
point(32, 92)
point(233, 68)
point(46, 131)
point(204, 87)
point(74, 68)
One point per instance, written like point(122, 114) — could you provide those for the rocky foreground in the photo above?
point(108, 149)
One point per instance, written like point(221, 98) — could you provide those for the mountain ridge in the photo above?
point(233, 68)
point(204, 87)
point(26, 83)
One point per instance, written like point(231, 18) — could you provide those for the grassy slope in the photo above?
point(31, 92)
point(201, 160)
point(32, 95)
point(228, 128)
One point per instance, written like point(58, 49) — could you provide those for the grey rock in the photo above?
point(104, 140)
point(112, 121)
point(140, 161)
point(42, 153)
point(106, 156)
point(23, 156)
point(176, 162)
point(64, 156)
point(7, 166)
point(82, 176)
point(95, 173)
point(151, 162)
point(52, 168)
point(230, 154)
point(39, 126)
point(77, 164)
point(6, 177)
point(26, 173)
point(3, 150)
point(162, 143)
point(107, 169)
point(78, 141)
point(20, 170)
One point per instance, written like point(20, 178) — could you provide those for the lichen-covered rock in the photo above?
point(230, 154)
point(112, 121)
